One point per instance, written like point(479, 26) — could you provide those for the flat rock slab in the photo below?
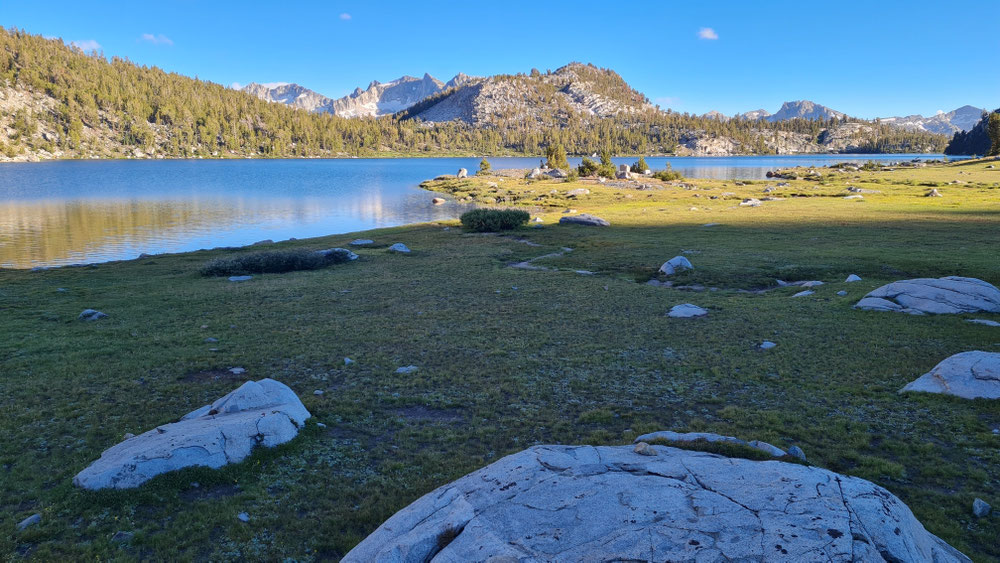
point(611, 503)
point(686, 311)
point(240, 278)
point(952, 294)
point(362, 242)
point(970, 375)
point(584, 219)
point(263, 412)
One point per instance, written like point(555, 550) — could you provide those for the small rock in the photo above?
point(841, 293)
point(750, 202)
point(243, 517)
point(400, 248)
point(813, 283)
point(983, 322)
point(348, 361)
point(852, 278)
point(642, 448)
point(463, 173)
point(237, 371)
point(933, 193)
point(438, 200)
point(686, 311)
point(203, 327)
point(318, 392)
point(29, 521)
point(91, 315)
point(577, 192)
point(584, 219)
point(804, 293)
point(122, 537)
point(675, 264)
point(537, 220)
point(361, 242)
point(240, 278)
point(61, 289)
point(407, 369)
point(711, 225)
point(980, 508)
point(210, 339)
point(796, 451)
point(767, 345)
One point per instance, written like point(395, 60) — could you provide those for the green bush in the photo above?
point(639, 166)
point(484, 167)
point(555, 157)
point(492, 220)
point(271, 262)
point(587, 167)
point(668, 174)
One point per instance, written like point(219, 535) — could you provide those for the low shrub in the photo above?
point(492, 220)
point(271, 262)
point(668, 174)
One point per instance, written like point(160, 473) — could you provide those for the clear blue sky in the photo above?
point(869, 58)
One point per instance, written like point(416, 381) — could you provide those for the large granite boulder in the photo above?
point(584, 503)
point(584, 219)
point(952, 294)
point(970, 375)
point(263, 412)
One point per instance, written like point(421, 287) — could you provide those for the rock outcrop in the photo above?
point(584, 219)
point(686, 311)
point(264, 412)
point(951, 294)
point(583, 503)
point(970, 375)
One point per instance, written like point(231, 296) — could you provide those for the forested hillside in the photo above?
point(58, 102)
point(978, 140)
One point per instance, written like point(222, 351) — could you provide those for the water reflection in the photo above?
point(59, 213)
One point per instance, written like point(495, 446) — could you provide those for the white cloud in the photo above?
point(86, 45)
point(707, 33)
point(157, 39)
point(345, 16)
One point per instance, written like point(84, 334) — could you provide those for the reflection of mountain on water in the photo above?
point(56, 232)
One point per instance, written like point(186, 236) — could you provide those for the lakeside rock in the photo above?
point(852, 278)
point(970, 375)
point(361, 242)
point(263, 412)
point(584, 219)
point(611, 503)
point(399, 248)
point(462, 173)
point(948, 295)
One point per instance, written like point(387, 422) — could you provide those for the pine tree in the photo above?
point(994, 131)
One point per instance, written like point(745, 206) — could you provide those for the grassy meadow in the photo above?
point(507, 358)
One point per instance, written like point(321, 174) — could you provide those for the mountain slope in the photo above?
point(974, 141)
point(960, 119)
point(290, 95)
point(804, 109)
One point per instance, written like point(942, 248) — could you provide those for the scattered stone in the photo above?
point(852, 278)
point(122, 536)
point(91, 315)
point(577, 192)
point(203, 327)
point(61, 289)
point(407, 369)
point(558, 173)
point(970, 375)
point(537, 220)
point(263, 412)
point(361, 242)
point(608, 503)
point(686, 311)
point(330, 252)
point(463, 173)
point(237, 371)
point(805, 293)
point(320, 425)
point(711, 225)
point(348, 361)
point(318, 392)
point(642, 448)
point(438, 200)
point(29, 521)
point(750, 202)
point(933, 193)
point(240, 278)
point(584, 219)
point(841, 293)
point(210, 339)
point(767, 345)
point(400, 248)
point(535, 173)
point(980, 508)
point(952, 294)
point(796, 451)
point(674, 265)
point(243, 517)
point(983, 322)
point(813, 283)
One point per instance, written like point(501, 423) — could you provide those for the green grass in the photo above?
point(508, 358)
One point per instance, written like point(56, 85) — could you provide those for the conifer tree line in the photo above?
point(141, 108)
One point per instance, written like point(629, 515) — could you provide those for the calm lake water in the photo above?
point(68, 212)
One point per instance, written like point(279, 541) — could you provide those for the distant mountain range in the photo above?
point(961, 119)
point(378, 99)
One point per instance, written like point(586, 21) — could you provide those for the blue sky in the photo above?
point(871, 58)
